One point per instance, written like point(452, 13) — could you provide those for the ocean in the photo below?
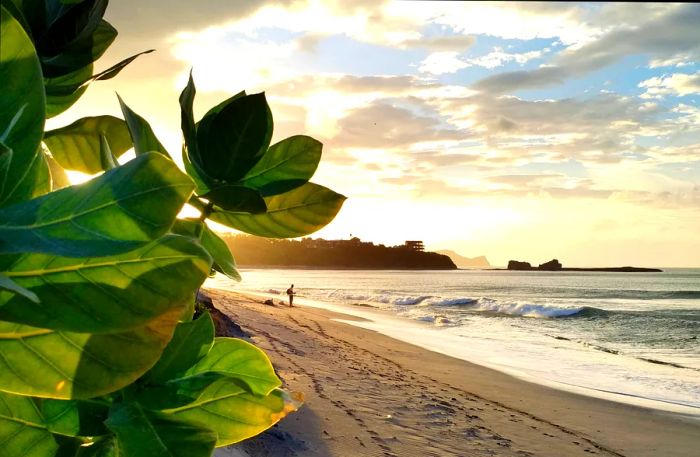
point(629, 337)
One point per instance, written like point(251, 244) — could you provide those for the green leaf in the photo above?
point(141, 132)
point(104, 294)
point(285, 166)
point(217, 109)
point(232, 412)
point(237, 198)
point(296, 213)
point(77, 146)
point(22, 112)
point(85, 49)
point(78, 365)
point(22, 429)
point(201, 186)
point(235, 358)
point(219, 251)
point(143, 433)
point(215, 246)
point(191, 341)
point(107, 159)
point(116, 212)
point(187, 118)
point(75, 417)
point(114, 70)
point(232, 140)
point(8, 284)
point(75, 36)
point(64, 91)
point(59, 178)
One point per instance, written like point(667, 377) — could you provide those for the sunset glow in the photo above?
point(508, 130)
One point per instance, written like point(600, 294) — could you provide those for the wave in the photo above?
point(479, 305)
point(534, 310)
point(453, 301)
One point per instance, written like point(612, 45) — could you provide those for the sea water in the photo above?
point(631, 337)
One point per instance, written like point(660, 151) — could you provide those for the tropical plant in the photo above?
point(99, 354)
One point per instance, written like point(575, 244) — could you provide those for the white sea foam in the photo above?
point(526, 309)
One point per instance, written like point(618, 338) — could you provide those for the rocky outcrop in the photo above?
point(552, 265)
point(555, 265)
point(517, 265)
point(223, 324)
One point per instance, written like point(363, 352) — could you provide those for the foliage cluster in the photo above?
point(99, 355)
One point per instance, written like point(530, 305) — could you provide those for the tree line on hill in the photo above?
point(320, 253)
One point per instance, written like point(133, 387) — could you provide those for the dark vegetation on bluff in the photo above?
point(319, 253)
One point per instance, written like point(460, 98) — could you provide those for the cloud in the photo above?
point(382, 125)
point(664, 35)
point(498, 58)
point(675, 84)
point(458, 43)
point(439, 63)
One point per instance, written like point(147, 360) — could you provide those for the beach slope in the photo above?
point(370, 395)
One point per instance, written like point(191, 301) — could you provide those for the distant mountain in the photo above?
point(466, 262)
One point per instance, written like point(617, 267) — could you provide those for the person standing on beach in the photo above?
point(291, 294)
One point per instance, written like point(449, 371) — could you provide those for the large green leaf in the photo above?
point(235, 358)
point(23, 432)
point(237, 198)
point(22, 112)
point(141, 132)
point(295, 213)
point(75, 417)
point(104, 294)
point(285, 166)
point(143, 433)
point(119, 211)
point(232, 140)
point(232, 412)
point(67, 365)
point(77, 146)
point(191, 341)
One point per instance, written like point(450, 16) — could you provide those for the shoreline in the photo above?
point(411, 332)
point(370, 393)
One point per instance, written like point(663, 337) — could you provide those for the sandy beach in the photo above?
point(370, 395)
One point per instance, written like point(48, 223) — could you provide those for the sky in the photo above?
point(524, 131)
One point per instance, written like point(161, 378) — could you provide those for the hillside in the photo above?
point(318, 253)
point(465, 262)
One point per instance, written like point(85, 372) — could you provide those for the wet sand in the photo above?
point(370, 395)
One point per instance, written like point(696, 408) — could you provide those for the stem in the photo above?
point(206, 211)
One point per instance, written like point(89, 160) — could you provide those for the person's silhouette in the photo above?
point(291, 294)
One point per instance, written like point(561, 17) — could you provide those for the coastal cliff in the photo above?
point(334, 254)
point(466, 262)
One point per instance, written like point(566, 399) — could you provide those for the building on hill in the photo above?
point(415, 245)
